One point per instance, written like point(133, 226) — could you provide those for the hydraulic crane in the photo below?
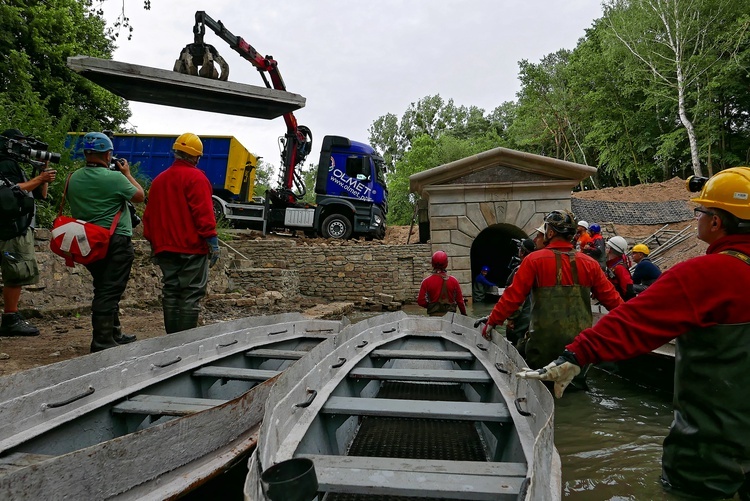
point(199, 58)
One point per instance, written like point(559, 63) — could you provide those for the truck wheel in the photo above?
point(218, 211)
point(337, 226)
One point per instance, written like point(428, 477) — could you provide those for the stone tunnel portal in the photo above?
point(494, 247)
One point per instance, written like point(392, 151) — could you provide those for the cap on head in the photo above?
point(485, 268)
point(541, 230)
point(584, 224)
point(728, 190)
point(189, 143)
point(618, 244)
point(642, 248)
point(562, 221)
point(13, 134)
point(96, 141)
point(440, 260)
point(595, 228)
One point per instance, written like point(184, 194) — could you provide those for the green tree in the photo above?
point(676, 43)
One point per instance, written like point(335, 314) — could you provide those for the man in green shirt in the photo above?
point(97, 194)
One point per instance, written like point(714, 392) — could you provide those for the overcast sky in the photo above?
point(353, 61)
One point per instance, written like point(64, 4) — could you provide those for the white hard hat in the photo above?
point(541, 229)
point(584, 224)
point(618, 244)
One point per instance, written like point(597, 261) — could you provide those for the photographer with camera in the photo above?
point(97, 194)
point(18, 259)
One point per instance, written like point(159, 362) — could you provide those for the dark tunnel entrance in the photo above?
point(494, 247)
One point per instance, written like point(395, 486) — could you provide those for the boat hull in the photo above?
point(319, 405)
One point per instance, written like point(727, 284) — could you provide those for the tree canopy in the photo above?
point(655, 88)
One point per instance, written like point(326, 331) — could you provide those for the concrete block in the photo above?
point(440, 236)
point(460, 263)
point(527, 211)
point(514, 207)
point(547, 206)
point(449, 209)
point(443, 223)
point(468, 227)
point(489, 212)
point(474, 213)
point(461, 238)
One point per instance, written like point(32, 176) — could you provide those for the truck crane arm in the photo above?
point(297, 142)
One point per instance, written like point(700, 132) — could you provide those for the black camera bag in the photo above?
point(16, 210)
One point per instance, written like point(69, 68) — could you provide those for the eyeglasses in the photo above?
point(698, 211)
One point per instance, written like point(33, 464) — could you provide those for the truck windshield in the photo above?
point(380, 169)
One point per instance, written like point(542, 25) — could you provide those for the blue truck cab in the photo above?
point(351, 193)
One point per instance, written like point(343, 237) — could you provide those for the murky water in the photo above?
point(609, 437)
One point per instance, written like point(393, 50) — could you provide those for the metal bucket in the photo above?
point(290, 480)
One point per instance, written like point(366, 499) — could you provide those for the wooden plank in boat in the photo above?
point(276, 354)
point(429, 375)
point(236, 373)
point(388, 407)
point(158, 405)
point(423, 355)
point(415, 477)
point(17, 460)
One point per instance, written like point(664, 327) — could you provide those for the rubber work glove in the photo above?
point(486, 331)
point(213, 250)
point(482, 320)
point(561, 371)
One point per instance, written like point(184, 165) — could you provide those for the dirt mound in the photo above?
point(674, 189)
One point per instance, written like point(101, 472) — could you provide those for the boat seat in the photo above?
point(388, 407)
point(236, 373)
point(423, 375)
point(457, 356)
point(17, 460)
point(396, 477)
point(276, 354)
point(159, 405)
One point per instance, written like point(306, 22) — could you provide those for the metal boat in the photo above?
point(148, 420)
point(407, 407)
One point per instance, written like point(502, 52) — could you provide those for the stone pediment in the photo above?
point(501, 166)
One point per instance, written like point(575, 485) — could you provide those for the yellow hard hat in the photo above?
point(190, 144)
point(642, 248)
point(728, 190)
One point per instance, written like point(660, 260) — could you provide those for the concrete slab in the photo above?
point(169, 88)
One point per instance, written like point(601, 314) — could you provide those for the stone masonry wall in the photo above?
point(342, 271)
point(345, 271)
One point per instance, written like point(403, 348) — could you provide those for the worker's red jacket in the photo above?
point(619, 275)
point(179, 213)
point(698, 293)
point(538, 269)
point(431, 287)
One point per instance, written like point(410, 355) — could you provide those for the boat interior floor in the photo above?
point(389, 437)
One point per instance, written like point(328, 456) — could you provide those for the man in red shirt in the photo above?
point(702, 302)
point(440, 292)
point(179, 223)
point(561, 282)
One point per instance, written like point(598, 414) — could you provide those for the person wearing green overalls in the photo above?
point(561, 282)
point(701, 303)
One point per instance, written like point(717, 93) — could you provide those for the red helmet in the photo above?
point(440, 260)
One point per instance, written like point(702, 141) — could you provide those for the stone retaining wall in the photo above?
point(344, 272)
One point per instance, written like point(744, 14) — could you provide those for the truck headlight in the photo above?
point(378, 220)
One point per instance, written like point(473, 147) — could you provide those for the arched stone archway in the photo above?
point(494, 247)
point(474, 207)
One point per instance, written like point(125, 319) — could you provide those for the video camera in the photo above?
point(114, 164)
point(27, 150)
point(695, 183)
